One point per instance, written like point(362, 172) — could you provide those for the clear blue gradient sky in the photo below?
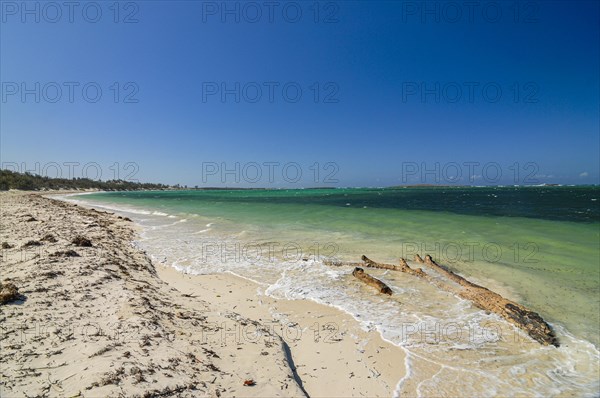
point(379, 117)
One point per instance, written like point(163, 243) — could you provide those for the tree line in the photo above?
point(33, 182)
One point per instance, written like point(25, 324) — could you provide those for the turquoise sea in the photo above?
point(539, 246)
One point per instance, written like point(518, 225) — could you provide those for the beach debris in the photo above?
point(360, 274)
point(192, 357)
point(49, 238)
point(67, 253)
point(403, 267)
point(51, 274)
point(8, 292)
point(249, 383)
point(483, 298)
point(113, 377)
point(145, 341)
point(210, 353)
point(529, 321)
point(81, 241)
point(212, 367)
point(367, 262)
point(137, 374)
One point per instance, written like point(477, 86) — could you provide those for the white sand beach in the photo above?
point(103, 320)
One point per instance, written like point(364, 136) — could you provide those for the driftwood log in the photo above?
point(360, 274)
point(531, 322)
point(488, 300)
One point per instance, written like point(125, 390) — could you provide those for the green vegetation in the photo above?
point(32, 182)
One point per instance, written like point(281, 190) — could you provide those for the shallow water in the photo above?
point(538, 246)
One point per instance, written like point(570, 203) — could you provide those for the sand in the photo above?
point(103, 320)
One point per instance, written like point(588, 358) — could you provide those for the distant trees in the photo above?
point(33, 182)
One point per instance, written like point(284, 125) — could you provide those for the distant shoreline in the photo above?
point(10, 180)
point(423, 186)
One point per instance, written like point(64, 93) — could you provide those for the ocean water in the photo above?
point(539, 246)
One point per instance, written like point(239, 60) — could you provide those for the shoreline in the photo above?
point(288, 347)
point(319, 337)
point(116, 323)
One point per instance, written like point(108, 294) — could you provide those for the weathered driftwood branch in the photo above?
point(488, 300)
point(372, 264)
point(359, 273)
point(367, 262)
point(403, 267)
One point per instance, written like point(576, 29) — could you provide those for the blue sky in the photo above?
point(391, 94)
